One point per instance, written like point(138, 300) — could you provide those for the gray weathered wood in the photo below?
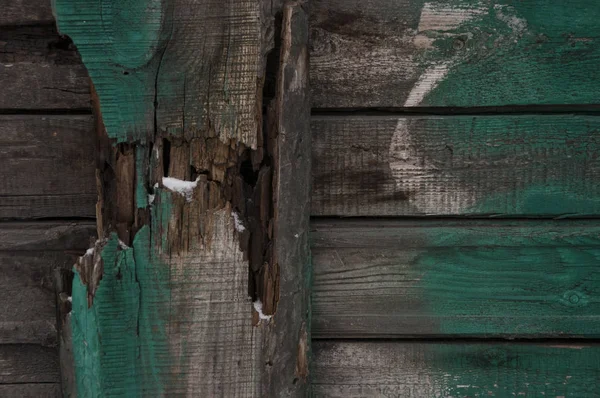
point(417, 369)
point(389, 278)
point(22, 12)
point(29, 252)
point(30, 390)
point(28, 363)
point(39, 70)
point(379, 53)
point(48, 166)
point(456, 165)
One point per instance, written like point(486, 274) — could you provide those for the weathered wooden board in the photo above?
point(30, 390)
point(28, 363)
point(456, 165)
point(29, 252)
point(412, 369)
point(454, 52)
point(48, 166)
point(389, 278)
point(40, 70)
point(183, 294)
point(23, 12)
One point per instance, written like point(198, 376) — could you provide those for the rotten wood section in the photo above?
point(39, 70)
point(496, 165)
point(417, 369)
point(406, 53)
point(47, 166)
point(402, 278)
point(198, 284)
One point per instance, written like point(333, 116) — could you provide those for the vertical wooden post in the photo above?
point(198, 284)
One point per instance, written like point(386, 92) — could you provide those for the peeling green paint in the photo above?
point(128, 317)
point(529, 281)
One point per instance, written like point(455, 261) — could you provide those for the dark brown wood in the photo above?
point(28, 363)
point(23, 12)
point(29, 253)
point(40, 70)
point(346, 369)
point(30, 390)
point(48, 166)
point(290, 112)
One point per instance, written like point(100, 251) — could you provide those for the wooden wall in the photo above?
point(47, 189)
point(455, 198)
point(455, 248)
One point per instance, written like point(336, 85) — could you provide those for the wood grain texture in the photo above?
point(181, 295)
point(408, 369)
point(456, 165)
point(40, 70)
point(388, 278)
point(28, 363)
point(30, 390)
point(48, 166)
point(25, 12)
point(29, 253)
point(454, 53)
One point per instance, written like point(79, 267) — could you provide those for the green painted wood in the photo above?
point(163, 305)
point(409, 369)
point(532, 165)
point(392, 278)
point(454, 53)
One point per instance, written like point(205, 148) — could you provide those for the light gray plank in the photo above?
point(456, 165)
point(388, 278)
point(416, 369)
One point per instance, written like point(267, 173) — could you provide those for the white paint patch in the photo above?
point(259, 308)
point(426, 83)
point(89, 252)
point(237, 221)
point(185, 188)
point(445, 17)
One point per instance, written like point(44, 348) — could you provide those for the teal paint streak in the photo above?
point(534, 52)
point(523, 282)
point(120, 343)
point(516, 165)
point(513, 370)
point(121, 48)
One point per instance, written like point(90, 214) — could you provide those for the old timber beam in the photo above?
point(198, 284)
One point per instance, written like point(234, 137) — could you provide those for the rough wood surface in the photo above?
point(48, 166)
point(409, 369)
point(456, 165)
point(388, 278)
point(28, 363)
point(454, 53)
point(30, 390)
point(40, 70)
point(25, 12)
point(29, 253)
point(183, 293)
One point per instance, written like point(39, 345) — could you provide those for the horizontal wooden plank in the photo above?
point(386, 278)
point(28, 363)
point(456, 165)
point(41, 70)
point(30, 390)
point(409, 369)
point(21, 12)
point(29, 252)
point(454, 52)
point(48, 166)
